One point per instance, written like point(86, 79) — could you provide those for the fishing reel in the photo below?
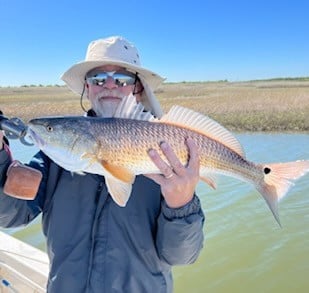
point(21, 181)
point(14, 128)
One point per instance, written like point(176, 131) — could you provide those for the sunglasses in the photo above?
point(121, 78)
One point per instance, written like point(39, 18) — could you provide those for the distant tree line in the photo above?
point(306, 78)
point(35, 85)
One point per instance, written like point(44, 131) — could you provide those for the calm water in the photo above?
point(244, 250)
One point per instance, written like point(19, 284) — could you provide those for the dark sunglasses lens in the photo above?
point(121, 79)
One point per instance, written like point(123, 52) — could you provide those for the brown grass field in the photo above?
point(274, 105)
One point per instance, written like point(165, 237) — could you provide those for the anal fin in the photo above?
point(210, 181)
point(208, 177)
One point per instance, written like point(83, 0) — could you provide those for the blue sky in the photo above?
point(181, 40)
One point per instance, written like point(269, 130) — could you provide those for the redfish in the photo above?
point(117, 148)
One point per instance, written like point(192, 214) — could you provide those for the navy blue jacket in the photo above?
point(96, 246)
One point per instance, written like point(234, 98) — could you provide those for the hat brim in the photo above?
point(74, 77)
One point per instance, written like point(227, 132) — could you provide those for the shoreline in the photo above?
point(255, 106)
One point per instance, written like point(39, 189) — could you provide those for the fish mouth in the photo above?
point(36, 139)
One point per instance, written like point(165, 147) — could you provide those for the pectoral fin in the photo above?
point(120, 173)
point(118, 179)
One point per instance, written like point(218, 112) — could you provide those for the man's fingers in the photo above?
point(165, 169)
point(172, 158)
point(194, 159)
point(174, 163)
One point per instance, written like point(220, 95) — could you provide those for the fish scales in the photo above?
point(118, 148)
point(126, 143)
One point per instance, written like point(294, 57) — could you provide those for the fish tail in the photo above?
point(278, 179)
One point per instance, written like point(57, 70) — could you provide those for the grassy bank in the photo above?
point(274, 105)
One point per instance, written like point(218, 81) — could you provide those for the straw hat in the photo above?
point(115, 51)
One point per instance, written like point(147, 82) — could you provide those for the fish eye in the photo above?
point(49, 128)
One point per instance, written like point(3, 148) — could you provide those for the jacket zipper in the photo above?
point(94, 226)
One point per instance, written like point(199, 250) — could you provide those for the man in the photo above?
point(93, 244)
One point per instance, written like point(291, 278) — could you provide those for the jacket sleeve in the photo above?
point(16, 212)
point(180, 233)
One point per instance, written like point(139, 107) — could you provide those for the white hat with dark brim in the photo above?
point(115, 51)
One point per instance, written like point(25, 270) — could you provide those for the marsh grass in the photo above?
point(277, 105)
point(246, 106)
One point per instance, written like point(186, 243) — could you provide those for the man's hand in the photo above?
point(177, 182)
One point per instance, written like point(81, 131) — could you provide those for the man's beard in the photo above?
point(106, 108)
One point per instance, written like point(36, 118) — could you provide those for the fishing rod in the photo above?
point(14, 128)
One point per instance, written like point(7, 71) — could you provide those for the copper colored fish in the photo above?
point(117, 149)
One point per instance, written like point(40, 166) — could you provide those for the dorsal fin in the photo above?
point(130, 109)
point(190, 119)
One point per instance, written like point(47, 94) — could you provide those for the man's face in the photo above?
point(105, 96)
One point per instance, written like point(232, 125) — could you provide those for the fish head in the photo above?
point(64, 139)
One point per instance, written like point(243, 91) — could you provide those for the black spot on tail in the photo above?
point(267, 170)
